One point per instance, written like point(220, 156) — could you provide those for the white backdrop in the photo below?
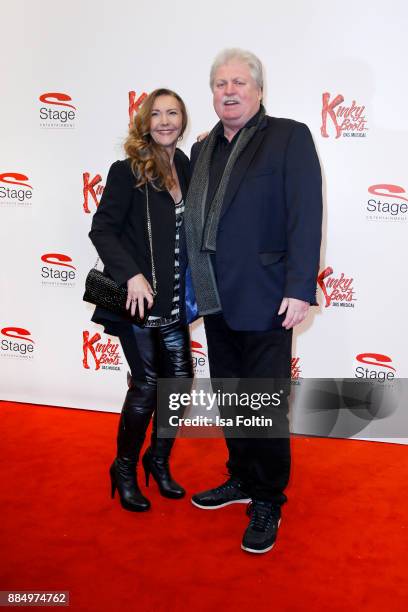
point(69, 72)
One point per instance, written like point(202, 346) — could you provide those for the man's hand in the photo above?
point(296, 311)
point(202, 136)
point(139, 290)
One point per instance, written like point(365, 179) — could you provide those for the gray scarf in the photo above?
point(201, 228)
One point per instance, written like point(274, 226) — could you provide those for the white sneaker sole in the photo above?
point(259, 552)
point(236, 501)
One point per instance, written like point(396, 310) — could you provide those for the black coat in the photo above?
point(119, 234)
point(269, 233)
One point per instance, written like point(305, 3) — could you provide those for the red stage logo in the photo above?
point(57, 110)
point(59, 99)
point(14, 189)
point(105, 355)
point(135, 104)
point(379, 366)
point(337, 291)
point(17, 342)
point(347, 120)
point(55, 272)
point(198, 356)
point(389, 204)
point(91, 188)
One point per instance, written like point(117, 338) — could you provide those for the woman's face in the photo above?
point(166, 121)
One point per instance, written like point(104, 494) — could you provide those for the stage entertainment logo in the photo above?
point(390, 203)
point(59, 270)
point(375, 366)
point(15, 191)
point(16, 343)
point(337, 291)
point(92, 188)
point(103, 355)
point(134, 105)
point(347, 120)
point(199, 358)
point(56, 112)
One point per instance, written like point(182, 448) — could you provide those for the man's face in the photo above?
point(236, 96)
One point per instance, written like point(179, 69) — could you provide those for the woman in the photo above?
point(131, 253)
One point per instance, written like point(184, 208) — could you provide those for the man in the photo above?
point(253, 230)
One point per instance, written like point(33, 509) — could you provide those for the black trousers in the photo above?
point(152, 353)
point(262, 464)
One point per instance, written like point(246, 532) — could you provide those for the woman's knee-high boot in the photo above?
point(136, 414)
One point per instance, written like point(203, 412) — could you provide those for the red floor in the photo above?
point(342, 544)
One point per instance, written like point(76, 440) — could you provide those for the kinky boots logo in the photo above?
point(295, 371)
point(134, 104)
point(92, 190)
point(15, 190)
point(374, 366)
point(345, 119)
point(295, 368)
point(337, 290)
point(100, 355)
point(56, 111)
point(390, 203)
point(16, 343)
point(59, 270)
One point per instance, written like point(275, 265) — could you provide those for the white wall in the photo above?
point(98, 52)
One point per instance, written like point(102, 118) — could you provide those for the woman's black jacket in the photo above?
point(119, 234)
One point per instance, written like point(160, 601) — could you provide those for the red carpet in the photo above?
point(342, 544)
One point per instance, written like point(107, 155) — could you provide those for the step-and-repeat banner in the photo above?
point(73, 76)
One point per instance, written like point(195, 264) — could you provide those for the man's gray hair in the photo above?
point(238, 55)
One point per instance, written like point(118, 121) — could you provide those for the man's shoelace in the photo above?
point(262, 517)
point(230, 484)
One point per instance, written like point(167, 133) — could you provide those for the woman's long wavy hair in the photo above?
point(149, 161)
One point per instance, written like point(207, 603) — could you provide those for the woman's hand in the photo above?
point(139, 290)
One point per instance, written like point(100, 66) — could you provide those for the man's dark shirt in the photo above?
point(222, 150)
point(220, 156)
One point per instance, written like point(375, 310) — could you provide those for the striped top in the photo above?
point(153, 321)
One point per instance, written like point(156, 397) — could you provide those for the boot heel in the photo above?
point(113, 484)
point(146, 467)
point(113, 490)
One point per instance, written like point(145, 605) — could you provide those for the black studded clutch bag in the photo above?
point(103, 291)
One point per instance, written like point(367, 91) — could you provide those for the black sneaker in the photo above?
point(231, 492)
point(260, 535)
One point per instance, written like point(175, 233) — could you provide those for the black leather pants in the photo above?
point(152, 353)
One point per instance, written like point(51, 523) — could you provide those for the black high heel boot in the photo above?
point(158, 467)
point(123, 478)
point(134, 420)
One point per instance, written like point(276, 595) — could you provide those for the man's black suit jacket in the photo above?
point(269, 234)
